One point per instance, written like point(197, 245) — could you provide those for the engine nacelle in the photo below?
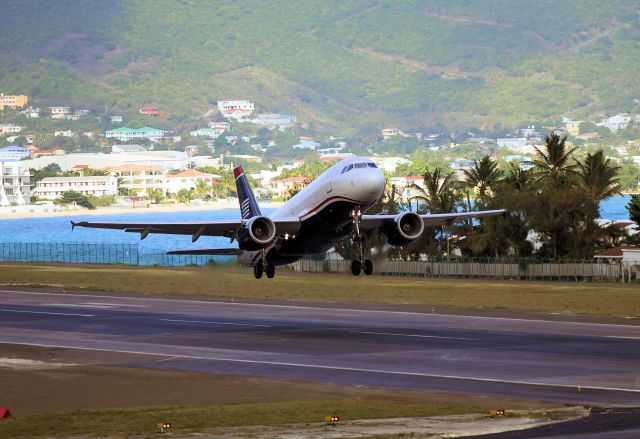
point(406, 227)
point(257, 233)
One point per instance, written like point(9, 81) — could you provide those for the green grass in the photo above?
point(597, 299)
point(198, 418)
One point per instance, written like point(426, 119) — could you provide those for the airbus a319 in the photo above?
point(329, 210)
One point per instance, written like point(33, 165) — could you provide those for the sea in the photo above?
point(58, 229)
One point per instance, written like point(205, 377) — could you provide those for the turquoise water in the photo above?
point(58, 229)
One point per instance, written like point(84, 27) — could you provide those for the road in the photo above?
point(570, 362)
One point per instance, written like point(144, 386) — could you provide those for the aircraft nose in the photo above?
point(372, 184)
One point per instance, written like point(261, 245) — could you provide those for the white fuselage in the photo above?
point(324, 207)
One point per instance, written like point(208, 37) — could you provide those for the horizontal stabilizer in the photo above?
point(208, 251)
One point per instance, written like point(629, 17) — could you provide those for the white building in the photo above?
point(275, 120)
point(8, 128)
point(13, 153)
point(236, 104)
point(139, 180)
point(126, 134)
point(206, 132)
point(615, 123)
point(31, 113)
point(51, 188)
point(67, 133)
point(188, 180)
point(59, 112)
point(15, 182)
point(116, 119)
point(512, 142)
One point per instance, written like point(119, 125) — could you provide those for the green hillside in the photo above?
point(356, 64)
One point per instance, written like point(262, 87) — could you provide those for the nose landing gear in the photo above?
point(360, 264)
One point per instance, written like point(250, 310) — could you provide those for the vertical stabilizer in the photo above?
point(248, 205)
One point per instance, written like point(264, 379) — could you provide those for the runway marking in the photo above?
point(622, 337)
point(572, 387)
point(265, 305)
point(78, 305)
point(214, 323)
point(48, 313)
point(411, 335)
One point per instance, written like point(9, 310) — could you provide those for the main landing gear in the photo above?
point(262, 266)
point(360, 264)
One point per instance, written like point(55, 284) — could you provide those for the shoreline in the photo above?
point(154, 208)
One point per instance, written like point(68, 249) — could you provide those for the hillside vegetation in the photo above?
point(334, 63)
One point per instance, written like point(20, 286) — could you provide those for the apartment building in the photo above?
point(51, 188)
point(59, 112)
point(13, 101)
point(15, 182)
point(139, 180)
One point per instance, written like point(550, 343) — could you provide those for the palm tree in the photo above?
point(482, 176)
point(439, 192)
point(553, 161)
point(599, 176)
point(203, 189)
point(517, 178)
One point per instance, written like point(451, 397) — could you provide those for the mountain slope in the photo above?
point(356, 63)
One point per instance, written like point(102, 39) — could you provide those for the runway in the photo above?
point(569, 362)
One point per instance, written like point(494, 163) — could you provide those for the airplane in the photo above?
point(329, 210)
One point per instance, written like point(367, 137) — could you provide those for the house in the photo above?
point(13, 153)
point(126, 134)
point(617, 122)
point(391, 132)
point(48, 152)
point(220, 127)
point(116, 119)
point(283, 186)
point(237, 114)
point(529, 131)
point(206, 132)
point(573, 127)
point(236, 104)
point(461, 164)
point(149, 111)
point(59, 112)
point(13, 101)
point(406, 186)
point(188, 180)
point(191, 150)
point(587, 136)
point(625, 255)
point(67, 133)
point(31, 112)
point(8, 128)
point(15, 182)
point(52, 188)
point(127, 149)
point(138, 179)
point(306, 144)
point(274, 120)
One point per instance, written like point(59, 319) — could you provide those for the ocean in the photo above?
point(58, 229)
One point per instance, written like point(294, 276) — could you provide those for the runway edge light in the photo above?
point(164, 427)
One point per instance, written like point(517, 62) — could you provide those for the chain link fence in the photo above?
point(88, 253)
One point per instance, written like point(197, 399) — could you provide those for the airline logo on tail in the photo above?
point(248, 205)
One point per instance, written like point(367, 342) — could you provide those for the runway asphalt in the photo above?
point(569, 362)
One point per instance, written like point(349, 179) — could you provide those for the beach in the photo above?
point(49, 211)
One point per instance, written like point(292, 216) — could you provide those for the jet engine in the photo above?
point(405, 228)
point(257, 233)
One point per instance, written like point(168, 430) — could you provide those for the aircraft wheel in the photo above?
point(368, 267)
point(356, 266)
point(270, 270)
point(257, 270)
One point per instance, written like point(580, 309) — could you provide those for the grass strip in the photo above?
point(598, 299)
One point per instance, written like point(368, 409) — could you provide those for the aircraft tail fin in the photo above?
point(248, 204)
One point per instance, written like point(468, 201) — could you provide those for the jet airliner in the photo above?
point(330, 209)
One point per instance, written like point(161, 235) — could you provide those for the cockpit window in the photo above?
point(360, 165)
point(371, 165)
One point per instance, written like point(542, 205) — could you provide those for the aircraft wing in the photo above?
point(430, 219)
point(227, 229)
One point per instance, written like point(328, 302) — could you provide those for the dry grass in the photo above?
point(601, 299)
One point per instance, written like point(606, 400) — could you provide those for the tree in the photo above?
point(185, 196)
point(203, 190)
point(553, 161)
point(156, 196)
point(634, 209)
point(599, 176)
point(74, 197)
point(482, 176)
point(439, 193)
